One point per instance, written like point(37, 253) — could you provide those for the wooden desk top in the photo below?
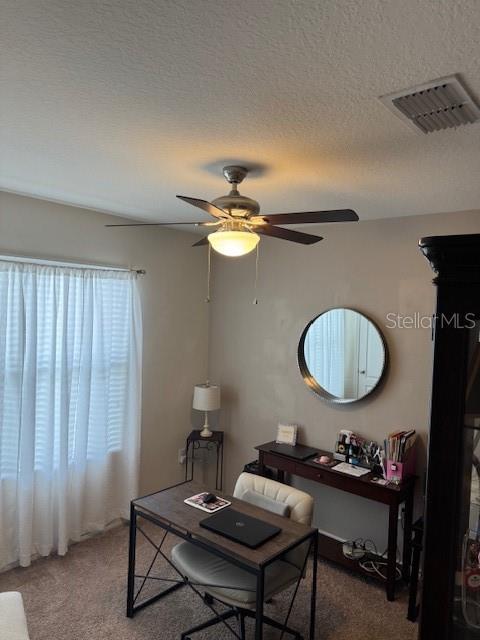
point(168, 506)
point(326, 474)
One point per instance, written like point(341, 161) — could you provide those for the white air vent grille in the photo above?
point(442, 104)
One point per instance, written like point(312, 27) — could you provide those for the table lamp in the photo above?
point(206, 398)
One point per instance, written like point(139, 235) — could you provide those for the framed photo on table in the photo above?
point(287, 434)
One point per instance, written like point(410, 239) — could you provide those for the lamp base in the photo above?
point(205, 432)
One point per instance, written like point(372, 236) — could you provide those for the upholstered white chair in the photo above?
point(13, 624)
point(205, 568)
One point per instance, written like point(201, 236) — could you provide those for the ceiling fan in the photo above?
point(239, 222)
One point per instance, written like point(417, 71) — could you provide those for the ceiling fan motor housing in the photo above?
point(234, 203)
point(234, 174)
point(237, 205)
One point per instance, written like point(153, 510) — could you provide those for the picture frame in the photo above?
point(287, 434)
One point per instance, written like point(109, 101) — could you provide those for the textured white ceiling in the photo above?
point(121, 104)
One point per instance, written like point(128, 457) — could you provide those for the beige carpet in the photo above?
point(82, 597)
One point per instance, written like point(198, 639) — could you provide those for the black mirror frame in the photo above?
point(313, 384)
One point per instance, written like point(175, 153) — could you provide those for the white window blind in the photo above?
point(70, 382)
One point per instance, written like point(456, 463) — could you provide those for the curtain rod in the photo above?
point(65, 263)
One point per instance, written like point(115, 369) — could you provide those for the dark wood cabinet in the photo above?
point(450, 608)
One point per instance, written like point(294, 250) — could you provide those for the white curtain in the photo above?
point(325, 351)
point(70, 385)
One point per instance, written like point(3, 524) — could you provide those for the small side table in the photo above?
point(215, 442)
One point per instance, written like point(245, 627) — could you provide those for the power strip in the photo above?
point(353, 551)
point(368, 558)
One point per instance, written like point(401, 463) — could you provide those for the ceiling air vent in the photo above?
point(442, 104)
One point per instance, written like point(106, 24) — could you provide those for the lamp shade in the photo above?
point(206, 397)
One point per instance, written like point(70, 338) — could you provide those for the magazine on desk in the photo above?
point(197, 502)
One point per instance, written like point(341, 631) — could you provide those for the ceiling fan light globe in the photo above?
point(233, 243)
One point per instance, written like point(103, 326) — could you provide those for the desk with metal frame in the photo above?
point(167, 510)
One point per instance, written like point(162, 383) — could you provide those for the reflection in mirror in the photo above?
point(342, 355)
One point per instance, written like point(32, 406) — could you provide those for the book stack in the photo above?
point(399, 454)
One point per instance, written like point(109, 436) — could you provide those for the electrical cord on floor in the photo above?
point(373, 564)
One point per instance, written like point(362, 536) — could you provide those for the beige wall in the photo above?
point(175, 316)
point(374, 267)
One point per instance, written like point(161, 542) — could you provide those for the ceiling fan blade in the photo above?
point(201, 242)
point(337, 215)
point(155, 224)
point(210, 208)
point(287, 234)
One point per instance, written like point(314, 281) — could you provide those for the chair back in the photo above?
point(265, 492)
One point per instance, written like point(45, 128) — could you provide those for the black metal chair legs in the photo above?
point(240, 614)
point(278, 625)
point(241, 622)
point(210, 623)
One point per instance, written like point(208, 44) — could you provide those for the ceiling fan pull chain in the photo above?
point(255, 299)
point(207, 299)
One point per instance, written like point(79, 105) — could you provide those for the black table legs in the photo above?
point(407, 538)
point(194, 443)
point(417, 544)
point(132, 606)
point(259, 605)
point(313, 599)
point(392, 545)
point(131, 561)
point(392, 551)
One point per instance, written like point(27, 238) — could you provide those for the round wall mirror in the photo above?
point(342, 355)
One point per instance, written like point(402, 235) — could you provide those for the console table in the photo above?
point(391, 495)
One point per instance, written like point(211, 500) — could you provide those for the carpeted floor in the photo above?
point(81, 596)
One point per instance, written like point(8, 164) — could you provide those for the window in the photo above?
point(70, 379)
